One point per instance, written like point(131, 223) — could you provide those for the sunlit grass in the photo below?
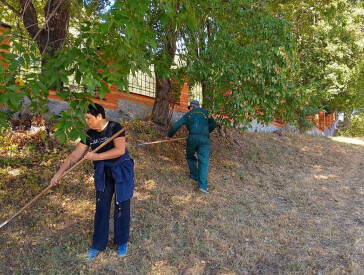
point(288, 204)
point(356, 141)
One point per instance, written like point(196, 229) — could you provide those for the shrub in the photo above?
point(356, 126)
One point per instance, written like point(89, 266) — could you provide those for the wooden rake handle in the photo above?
point(160, 141)
point(94, 151)
point(63, 175)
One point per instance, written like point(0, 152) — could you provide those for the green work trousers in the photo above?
point(201, 145)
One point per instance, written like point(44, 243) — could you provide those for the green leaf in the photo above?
point(67, 125)
point(83, 136)
point(43, 135)
point(34, 47)
point(104, 28)
point(14, 101)
point(64, 78)
point(78, 76)
point(153, 43)
point(133, 5)
point(164, 19)
point(4, 46)
point(27, 58)
point(19, 47)
point(13, 66)
point(191, 23)
point(142, 37)
point(62, 138)
point(129, 30)
point(13, 87)
point(74, 134)
point(3, 122)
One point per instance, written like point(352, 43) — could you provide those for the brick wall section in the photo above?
point(182, 102)
point(330, 119)
point(6, 41)
point(110, 101)
point(183, 99)
point(321, 122)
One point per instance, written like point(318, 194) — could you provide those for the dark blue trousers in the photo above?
point(102, 217)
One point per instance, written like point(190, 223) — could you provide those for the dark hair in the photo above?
point(98, 109)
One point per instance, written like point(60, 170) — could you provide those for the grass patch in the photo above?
point(280, 204)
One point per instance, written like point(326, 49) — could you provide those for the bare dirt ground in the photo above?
point(280, 204)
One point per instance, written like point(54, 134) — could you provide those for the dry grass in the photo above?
point(280, 204)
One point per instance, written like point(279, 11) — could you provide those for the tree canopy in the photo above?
point(330, 41)
point(253, 59)
point(246, 59)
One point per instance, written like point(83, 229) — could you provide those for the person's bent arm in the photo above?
point(176, 126)
point(71, 160)
point(117, 151)
point(212, 124)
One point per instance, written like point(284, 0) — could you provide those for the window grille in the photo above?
point(141, 83)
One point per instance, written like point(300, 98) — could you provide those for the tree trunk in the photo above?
point(162, 99)
point(164, 84)
point(206, 99)
point(52, 35)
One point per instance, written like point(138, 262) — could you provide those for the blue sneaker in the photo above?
point(203, 190)
point(122, 250)
point(92, 253)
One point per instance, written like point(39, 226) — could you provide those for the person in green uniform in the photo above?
point(200, 125)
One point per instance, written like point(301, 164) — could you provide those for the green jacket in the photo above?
point(197, 121)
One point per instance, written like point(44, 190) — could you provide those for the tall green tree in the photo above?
point(168, 20)
point(330, 41)
point(246, 60)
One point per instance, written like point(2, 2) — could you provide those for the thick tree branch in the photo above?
point(29, 16)
point(11, 7)
point(53, 31)
point(57, 17)
point(48, 18)
point(79, 16)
